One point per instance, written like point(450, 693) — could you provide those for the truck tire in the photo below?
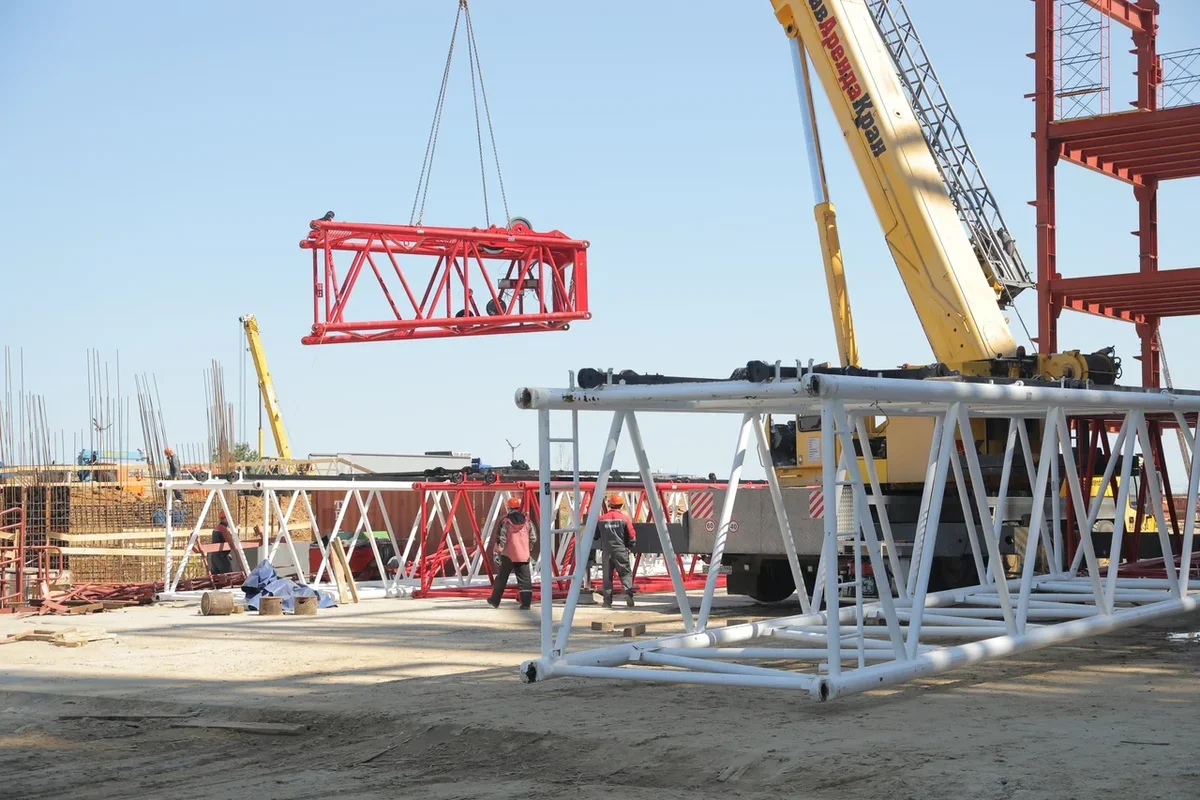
point(952, 572)
point(775, 583)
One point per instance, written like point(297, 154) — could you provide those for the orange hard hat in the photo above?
point(514, 502)
point(168, 451)
point(615, 500)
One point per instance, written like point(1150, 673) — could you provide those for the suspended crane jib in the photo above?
point(445, 282)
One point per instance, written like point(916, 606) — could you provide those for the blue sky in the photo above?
point(160, 163)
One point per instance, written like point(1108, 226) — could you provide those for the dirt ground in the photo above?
point(413, 698)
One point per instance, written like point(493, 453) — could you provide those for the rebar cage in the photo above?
point(909, 631)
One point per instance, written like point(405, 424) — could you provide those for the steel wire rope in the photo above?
point(474, 49)
point(434, 128)
point(478, 92)
point(471, 54)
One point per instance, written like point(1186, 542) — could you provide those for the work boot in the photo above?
point(526, 599)
point(607, 599)
point(493, 602)
point(629, 598)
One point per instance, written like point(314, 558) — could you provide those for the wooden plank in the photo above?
point(86, 608)
point(90, 636)
point(147, 552)
point(132, 717)
point(339, 577)
point(148, 534)
point(267, 728)
point(340, 553)
point(61, 637)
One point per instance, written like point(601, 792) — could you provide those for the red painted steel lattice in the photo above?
point(433, 559)
point(442, 282)
point(1142, 148)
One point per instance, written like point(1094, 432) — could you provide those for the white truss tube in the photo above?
point(918, 632)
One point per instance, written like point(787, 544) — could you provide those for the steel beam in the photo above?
point(1131, 15)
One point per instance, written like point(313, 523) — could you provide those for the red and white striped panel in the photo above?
point(701, 504)
point(816, 503)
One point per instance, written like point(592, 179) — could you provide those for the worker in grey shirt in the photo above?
point(173, 470)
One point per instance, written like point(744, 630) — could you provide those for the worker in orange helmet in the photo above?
point(516, 539)
point(617, 539)
point(173, 469)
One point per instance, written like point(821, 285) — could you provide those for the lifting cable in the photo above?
point(477, 93)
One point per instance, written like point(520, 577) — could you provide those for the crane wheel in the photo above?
point(774, 583)
point(952, 572)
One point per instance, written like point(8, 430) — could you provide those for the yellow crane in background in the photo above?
point(266, 390)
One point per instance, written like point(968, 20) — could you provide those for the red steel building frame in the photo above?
point(1142, 148)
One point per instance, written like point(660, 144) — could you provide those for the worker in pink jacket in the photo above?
point(512, 555)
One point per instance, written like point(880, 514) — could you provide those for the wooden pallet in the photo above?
point(59, 637)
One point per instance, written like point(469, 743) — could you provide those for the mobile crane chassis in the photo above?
point(985, 397)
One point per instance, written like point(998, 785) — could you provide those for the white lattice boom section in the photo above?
point(909, 631)
point(440, 546)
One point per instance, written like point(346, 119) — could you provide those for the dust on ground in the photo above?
point(408, 698)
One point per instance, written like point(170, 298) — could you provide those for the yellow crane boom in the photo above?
point(954, 301)
point(266, 389)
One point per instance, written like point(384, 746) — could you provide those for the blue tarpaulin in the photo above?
point(263, 580)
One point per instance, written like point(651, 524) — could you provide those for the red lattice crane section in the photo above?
point(376, 283)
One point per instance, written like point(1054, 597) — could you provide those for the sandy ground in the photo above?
point(411, 698)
